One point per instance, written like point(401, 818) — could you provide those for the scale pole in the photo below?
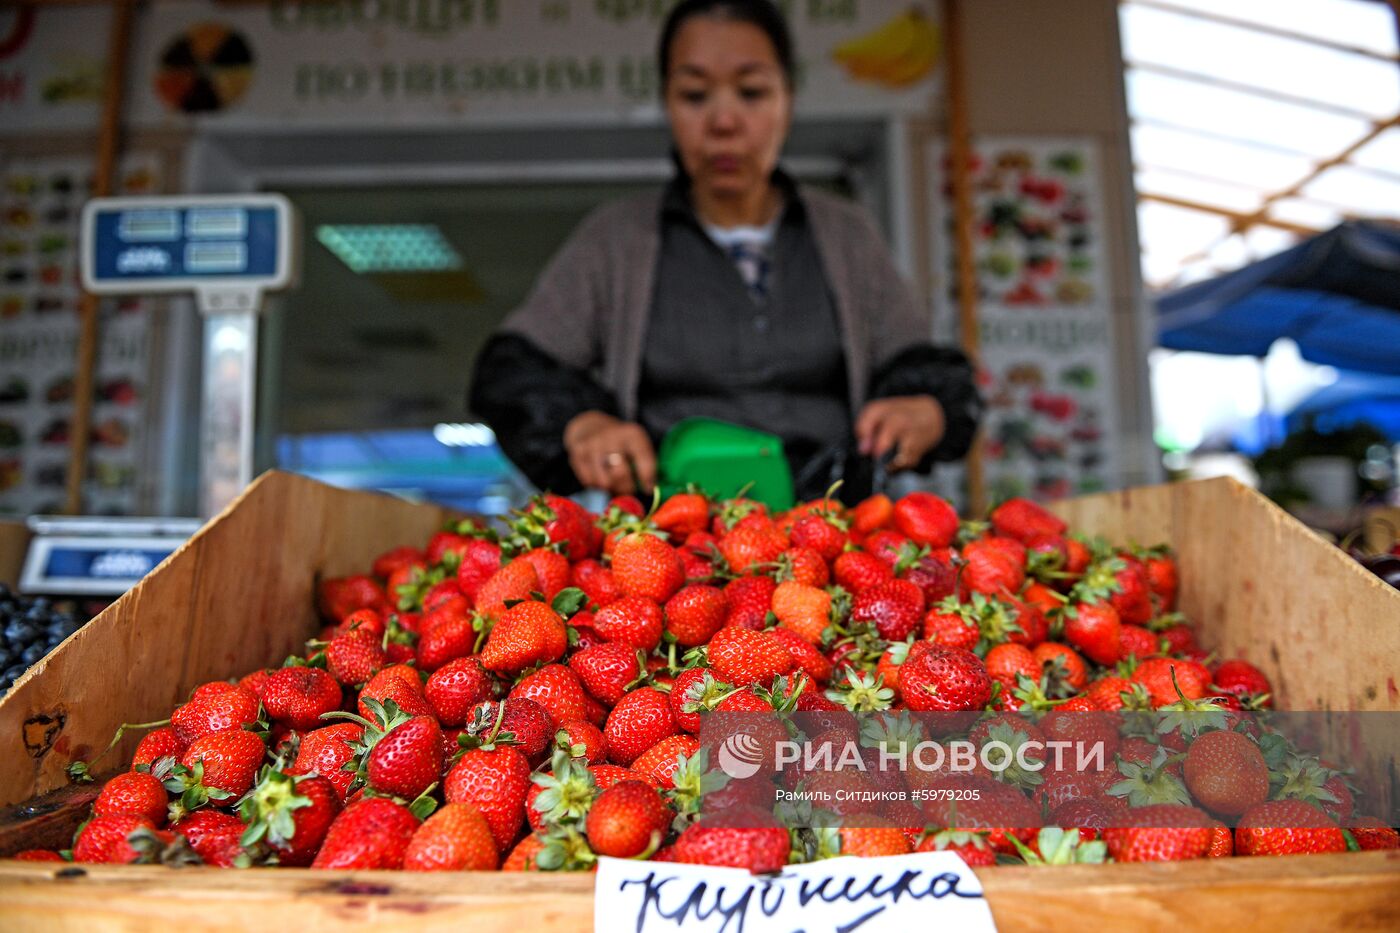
point(84, 376)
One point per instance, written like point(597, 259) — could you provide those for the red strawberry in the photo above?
point(694, 690)
point(557, 689)
point(455, 838)
point(971, 847)
point(1133, 598)
point(522, 857)
point(951, 629)
point(682, 515)
point(399, 683)
point(935, 576)
point(606, 670)
point(742, 657)
point(596, 581)
point(1107, 692)
point(1371, 834)
point(337, 598)
point(446, 593)
point(355, 657)
point(695, 613)
point(162, 743)
point(1025, 521)
point(371, 833)
point(298, 696)
point(805, 655)
point(1225, 772)
point(291, 814)
point(212, 708)
point(456, 688)
point(570, 525)
point(750, 840)
point(526, 634)
point(1096, 630)
point(888, 545)
point(326, 751)
point(993, 566)
point(926, 519)
point(749, 600)
point(1156, 675)
point(445, 637)
point(945, 680)
point(1008, 662)
point(515, 581)
point(628, 820)
point(385, 564)
point(895, 608)
point(1064, 664)
point(109, 839)
point(644, 565)
point(748, 547)
point(1180, 639)
point(528, 723)
point(803, 610)
point(661, 760)
point(407, 759)
point(1222, 841)
point(481, 559)
point(872, 514)
point(1240, 678)
point(821, 533)
point(1287, 827)
point(1137, 642)
point(495, 782)
point(636, 621)
point(551, 567)
point(803, 565)
point(216, 837)
point(221, 766)
point(1163, 832)
point(256, 682)
point(605, 776)
point(638, 721)
point(134, 793)
point(1162, 581)
point(582, 734)
point(857, 571)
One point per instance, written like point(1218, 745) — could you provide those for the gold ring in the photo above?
point(614, 459)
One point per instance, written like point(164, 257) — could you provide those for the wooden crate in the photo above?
point(14, 544)
point(239, 596)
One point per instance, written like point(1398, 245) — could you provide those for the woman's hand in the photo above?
point(909, 425)
point(600, 449)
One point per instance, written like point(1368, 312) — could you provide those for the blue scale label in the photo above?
point(144, 244)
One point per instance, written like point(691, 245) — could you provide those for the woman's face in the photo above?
point(728, 103)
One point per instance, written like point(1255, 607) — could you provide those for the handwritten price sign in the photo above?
point(935, 890)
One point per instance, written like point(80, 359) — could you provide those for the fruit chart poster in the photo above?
point(40, 205)
point(1044, 314)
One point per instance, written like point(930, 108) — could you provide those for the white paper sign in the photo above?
point(927, 891)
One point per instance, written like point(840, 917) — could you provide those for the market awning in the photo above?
point(1337, 295)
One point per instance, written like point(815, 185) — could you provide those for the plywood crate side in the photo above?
point(14, 544)
point(237, 596)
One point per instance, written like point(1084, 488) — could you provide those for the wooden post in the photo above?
point(960, 162)
point(108, 140)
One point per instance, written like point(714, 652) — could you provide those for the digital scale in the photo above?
point(229, 251)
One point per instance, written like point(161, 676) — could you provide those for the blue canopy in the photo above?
point(1355, 398)
point(1336, 295)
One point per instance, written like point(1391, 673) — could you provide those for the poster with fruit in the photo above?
point(1044, 313)
point(40, 204)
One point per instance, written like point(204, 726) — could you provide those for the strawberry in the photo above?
point(993, 566)
point(856, 571)
point(551, 567)
point(1008, 662)
point(945, 680)
point(111, 839)
point(749, 839)
point(1222, 841)
point(971, 847)
point(162, 743)
point(660, 762)
point(1287, 827)
point(805, 655)
point(455, 838)
point(1163, 832)
point(215, 836)
point(1134, 641)
point(742, 657)
point(749, 600)
point(514, 581)
point(385, 564)
point(371, 833)
point(1133, 597)
point(1240, 678)
point(1371, 834)
point(606, 670)
point(888, 545)
point(256, 682)
point(446, 593)
point(1096, 630)
point(407, 760)
point(1066, 668)
point(605, 776)
point(596, 581)
point(694, 690)
point(638, 721)
point(557, 689)
point(1107, 692)
point(1025, 521)
point(355, 657)
point(454, 689)
point(824, 534)
point(399, 683)
point(37, 855)
point(747, 548)
point(212, 708)
point(934, 576)
point(446, 636)
point(872, 514)
point(951, 629)
point(495, 782)
point(1225, 772)
point(526, 634)
point(628, 820)
point(298, 696)
point(337, 598)
point(802, 609)
point(326, 751)
point(803, 565)
point(926, 519)
point(290, 814)
point(522, 857)
point(481, 559)
point(134, 793)
point(1170, 679)
point(695, 613)
point(1180, 639)
point(872, 841)
point(682, 515)
point(636, 621)
point(221, 766)
point(895, 608)
point(644, 565)
point(1162, 579)
point(523, 723)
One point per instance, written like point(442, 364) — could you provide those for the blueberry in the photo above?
point(12, 674)
point(33, 653)
point(21, 633)
point(7, 657)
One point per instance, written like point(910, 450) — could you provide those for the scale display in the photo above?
point(186, 244)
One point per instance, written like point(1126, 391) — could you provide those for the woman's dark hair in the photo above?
point(761, 13)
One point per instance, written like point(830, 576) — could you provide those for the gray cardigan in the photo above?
point(589, 309)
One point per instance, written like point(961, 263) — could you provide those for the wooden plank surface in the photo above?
point(14, 544)
point(237, 596)
point(1355, 892)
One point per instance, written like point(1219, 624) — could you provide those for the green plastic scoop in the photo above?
point(722, 458)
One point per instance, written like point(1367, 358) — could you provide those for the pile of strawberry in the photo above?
point(532, 700)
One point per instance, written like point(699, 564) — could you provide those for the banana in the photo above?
point(897, 54)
